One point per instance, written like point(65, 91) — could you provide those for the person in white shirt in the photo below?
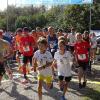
point(71, 38)
point(93, 46)
point(63, 61)
point(43, 60)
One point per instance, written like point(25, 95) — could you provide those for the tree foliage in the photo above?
point(77, 16)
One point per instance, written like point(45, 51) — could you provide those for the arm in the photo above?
point(34, 64)
point(75, 61)
point(47, 64)
point(54, 64)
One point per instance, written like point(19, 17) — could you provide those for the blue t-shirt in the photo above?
point(52, 41)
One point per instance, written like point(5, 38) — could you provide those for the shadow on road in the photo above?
point(88, 91)
point(14, 93)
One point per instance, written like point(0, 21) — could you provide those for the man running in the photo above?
point(52, 40)
point(71, 39)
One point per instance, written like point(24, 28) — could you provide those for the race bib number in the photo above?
point(26, 49)
point(82, 56)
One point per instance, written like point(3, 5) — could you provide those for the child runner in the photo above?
point(43, 59)
point(63, 61)
point(27, 45)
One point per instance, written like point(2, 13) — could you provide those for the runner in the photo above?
point(66, 42)
point(34, 35)
point(52, 40)
point(87, 39)
point(71, 38)
point(82, 58)
point(60, 33)
point(43, 59)
point(45, 32)
point(63, 61)
point(8, 37)
point(5, 53)
point(27, 45)
point(93, 46)
point(39, 32)
point(18, 45)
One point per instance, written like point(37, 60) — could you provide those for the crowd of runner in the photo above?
point(48, 51)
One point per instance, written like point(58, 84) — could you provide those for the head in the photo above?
point(61, 45)
point(25, 31)
point(93, 34)
point(72, 30)
point(78, 37)
point(60, 30)
point(33, 32)
point(61, 38)
point(19, 31)
point(38, 29)
point(51, 30)
point(42, 44)
point(86, 34)
point(1, 33)
point(45, 31)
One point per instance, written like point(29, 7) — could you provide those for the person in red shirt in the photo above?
point(34, 35)
point(17, 44)
point(82, 58)
point(39, 32)
point(27, 47)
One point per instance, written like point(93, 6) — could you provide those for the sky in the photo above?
point(3, 3)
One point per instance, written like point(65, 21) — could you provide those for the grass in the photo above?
point(92, 92)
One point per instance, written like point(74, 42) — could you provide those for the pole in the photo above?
point(15, 8)
point(89, 69)
point(7, 15)
point(90, 19)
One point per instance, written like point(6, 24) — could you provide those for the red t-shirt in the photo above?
point(81, 51)
point(27, 43)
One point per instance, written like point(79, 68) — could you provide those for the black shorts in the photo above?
point(27, 59)
point(2, 69)
point(71, 48)
point(84, 65)
point(67, 79)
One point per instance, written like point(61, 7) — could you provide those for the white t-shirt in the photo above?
point(42, 59)
point(64, 63)
point(72, 39)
